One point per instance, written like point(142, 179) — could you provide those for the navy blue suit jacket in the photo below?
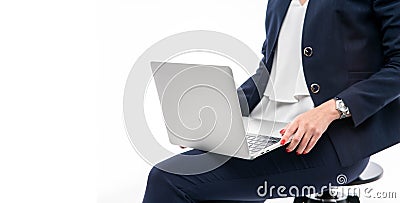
point(355, 47)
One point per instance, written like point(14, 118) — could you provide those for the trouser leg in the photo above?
point(241, 180)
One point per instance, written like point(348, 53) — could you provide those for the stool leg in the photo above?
point(353, 199)
point(300, 200)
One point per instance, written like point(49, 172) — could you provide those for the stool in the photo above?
point(371, 173)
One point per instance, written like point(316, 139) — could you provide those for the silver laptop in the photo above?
point(201, 110)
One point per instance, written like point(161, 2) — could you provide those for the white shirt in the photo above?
point(286, 94)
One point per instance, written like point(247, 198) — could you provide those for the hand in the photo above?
point(308, 127)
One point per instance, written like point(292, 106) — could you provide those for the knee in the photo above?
point(162, 185)
point(156, 175)
point(158, 187)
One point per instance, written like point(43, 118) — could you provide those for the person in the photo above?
point(335, 76)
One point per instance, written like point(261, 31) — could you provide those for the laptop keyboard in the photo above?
point(259, 142)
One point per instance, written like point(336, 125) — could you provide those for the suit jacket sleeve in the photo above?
point(251, 91)
point(367, 97)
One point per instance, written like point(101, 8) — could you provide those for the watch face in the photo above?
point(342, 107)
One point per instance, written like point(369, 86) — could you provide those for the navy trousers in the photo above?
point(240, 180)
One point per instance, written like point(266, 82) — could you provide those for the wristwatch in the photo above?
point(342, 108)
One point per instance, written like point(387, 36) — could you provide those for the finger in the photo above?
point(282, 131)
point(297, 137)
point(311, 144)
point(289, 131)
point(304, 143)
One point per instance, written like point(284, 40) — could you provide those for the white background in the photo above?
point(63, 67)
